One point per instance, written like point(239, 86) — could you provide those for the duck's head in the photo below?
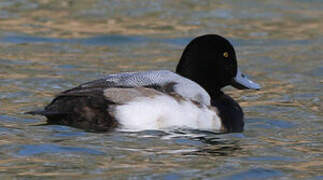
point(210, 60)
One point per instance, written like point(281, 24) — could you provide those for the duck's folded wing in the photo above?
point(149, 79)
point(159, 80)
point(99, 84)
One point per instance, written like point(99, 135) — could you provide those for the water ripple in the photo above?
point(37, 149)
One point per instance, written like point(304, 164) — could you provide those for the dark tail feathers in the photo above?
point(45, 113)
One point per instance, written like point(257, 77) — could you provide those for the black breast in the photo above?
point(231, 113)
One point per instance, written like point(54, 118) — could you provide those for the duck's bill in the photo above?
point(241, 81)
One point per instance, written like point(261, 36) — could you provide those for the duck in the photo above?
point(190, 97)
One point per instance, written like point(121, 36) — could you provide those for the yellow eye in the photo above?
point(226, 54)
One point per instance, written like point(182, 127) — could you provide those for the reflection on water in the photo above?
point(48, 46)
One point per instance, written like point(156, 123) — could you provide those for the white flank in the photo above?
point(163, 111)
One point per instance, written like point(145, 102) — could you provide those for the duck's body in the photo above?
point(189, 98)
point(134, 101)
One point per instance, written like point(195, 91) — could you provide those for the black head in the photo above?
point(210, 60)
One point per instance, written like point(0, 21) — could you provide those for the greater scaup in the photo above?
point(189, 98)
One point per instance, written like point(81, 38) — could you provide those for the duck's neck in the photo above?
point(215, 93)
point(229, 110)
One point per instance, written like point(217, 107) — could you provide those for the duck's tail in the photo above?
point(52, 117)
point(44, 112)
point(80, 111)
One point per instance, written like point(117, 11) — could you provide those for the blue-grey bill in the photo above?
point(241, 81)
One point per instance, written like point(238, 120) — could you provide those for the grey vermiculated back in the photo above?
point(183, 86)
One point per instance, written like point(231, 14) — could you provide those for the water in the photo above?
point(49, 46)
